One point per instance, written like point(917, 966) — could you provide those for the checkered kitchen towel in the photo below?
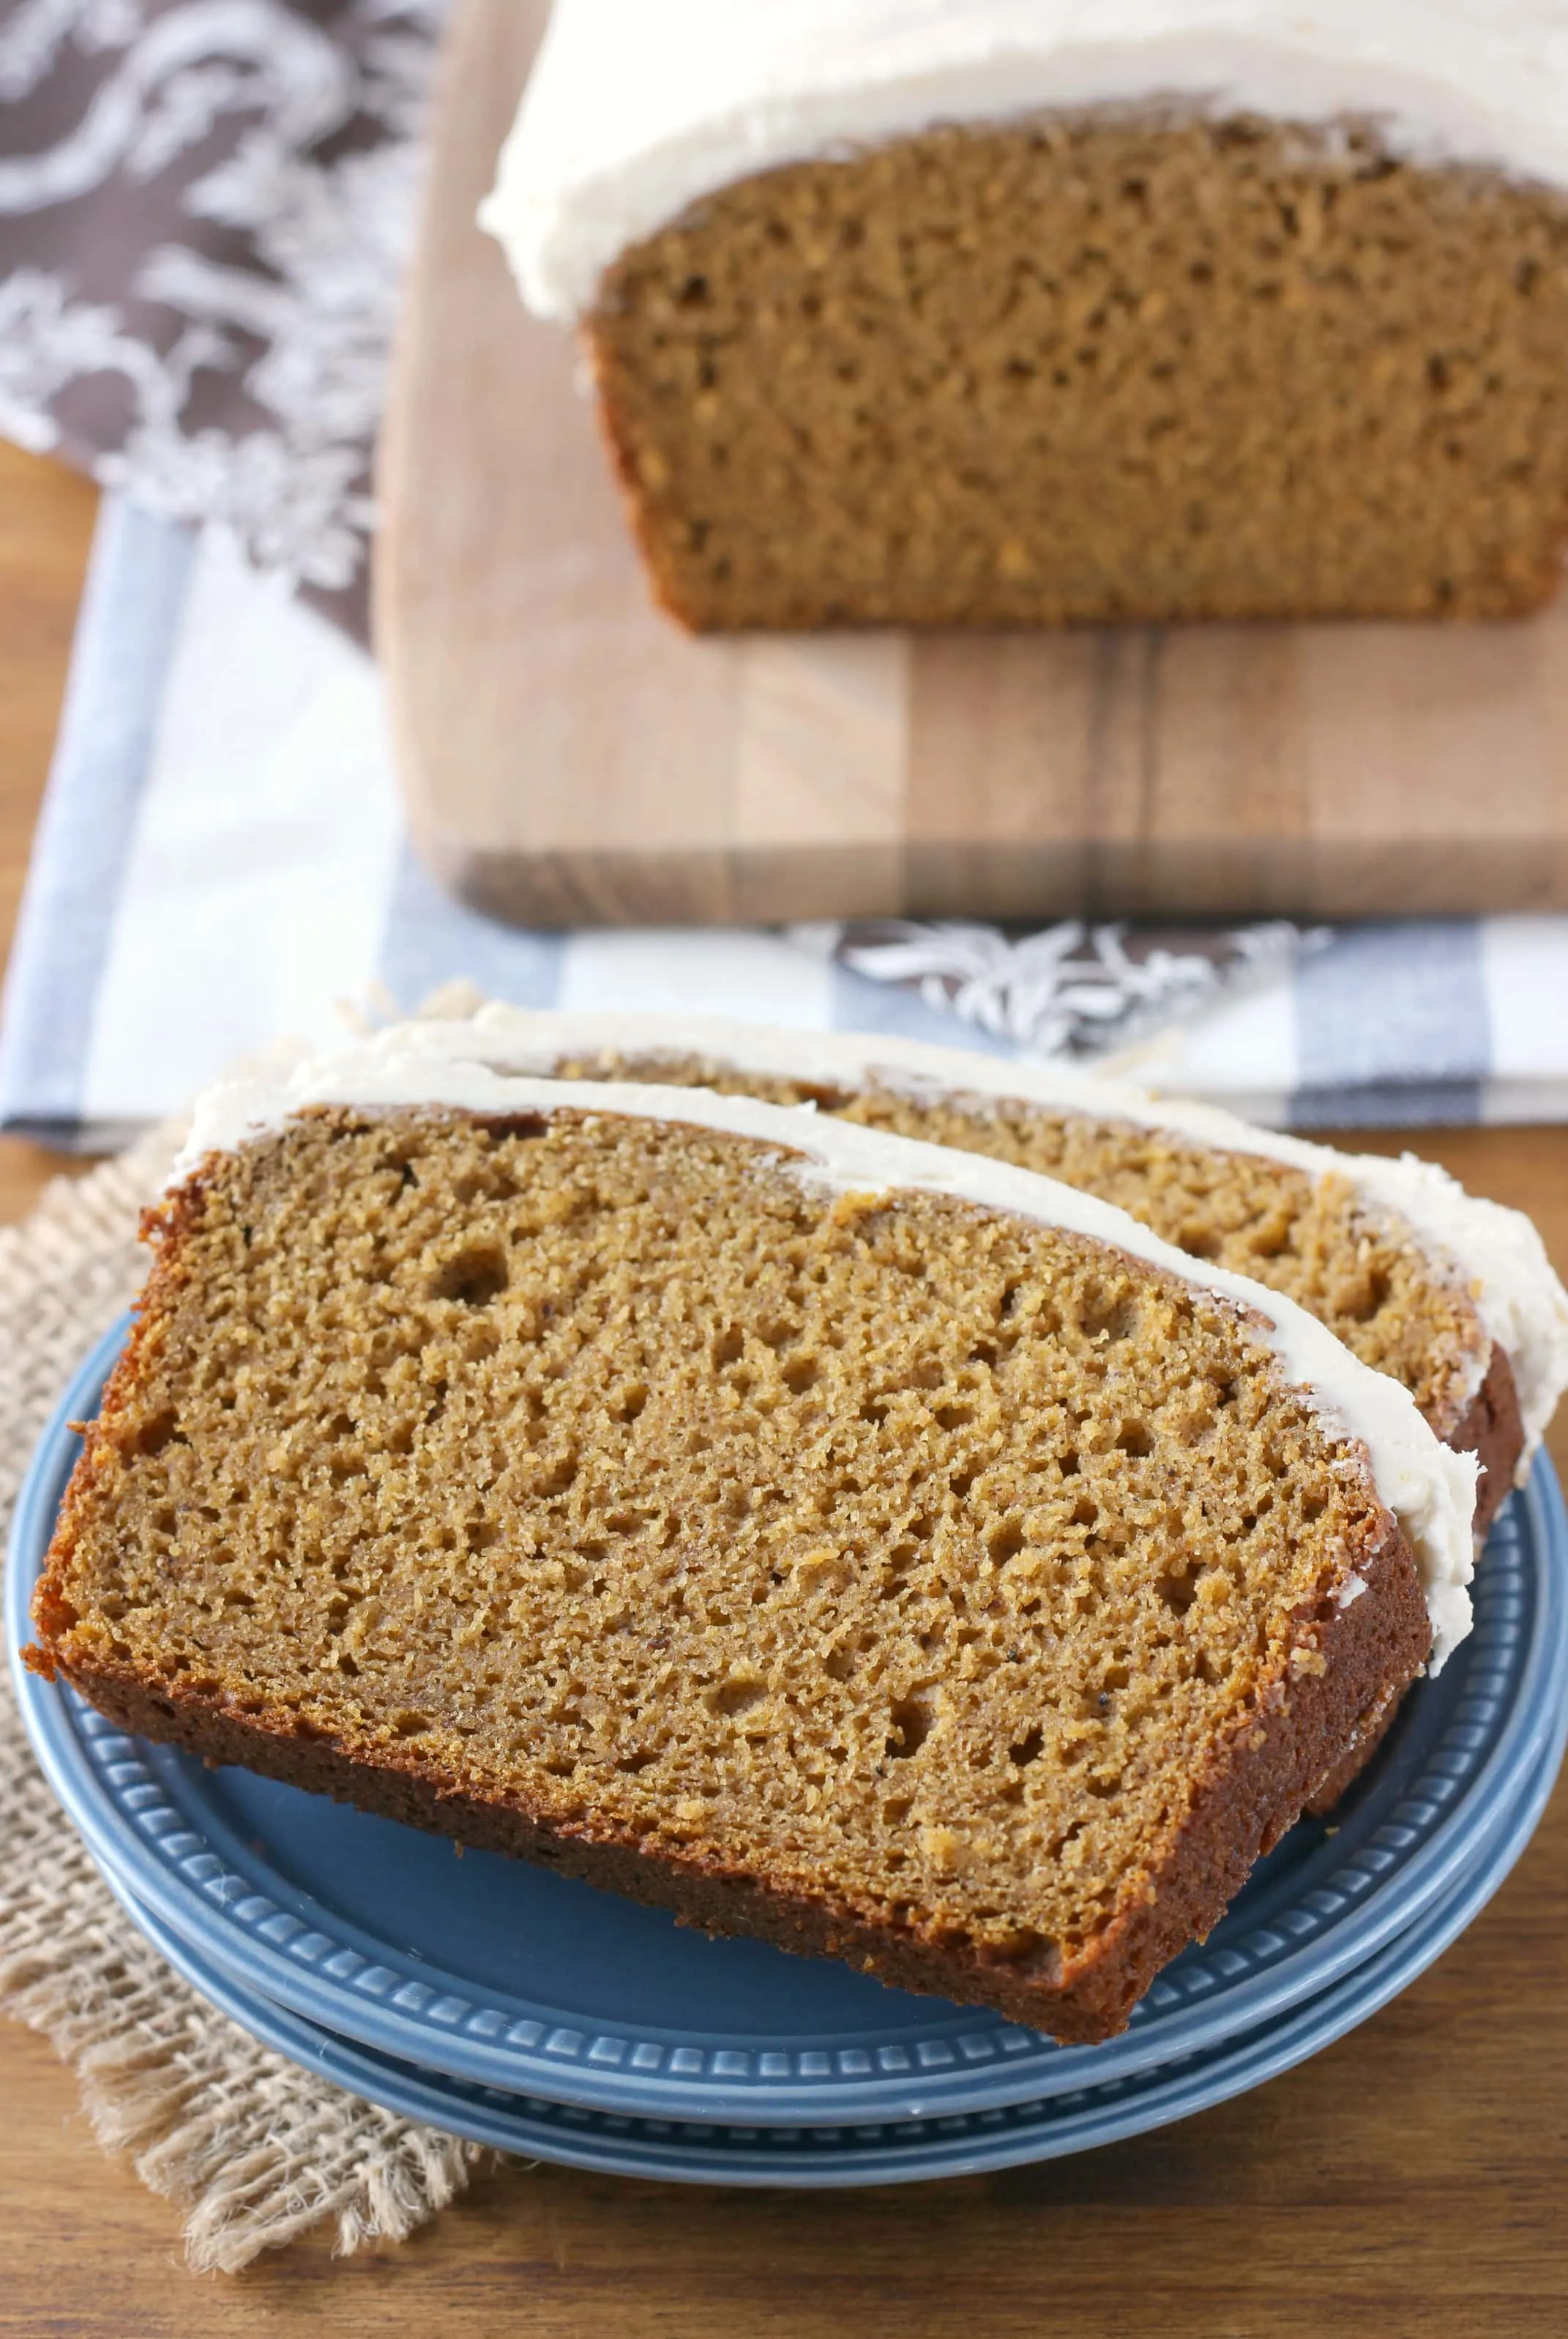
point(221, 860)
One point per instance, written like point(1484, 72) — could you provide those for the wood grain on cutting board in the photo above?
point(569, 755)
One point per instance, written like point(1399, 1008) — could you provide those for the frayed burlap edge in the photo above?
point(255, 2150)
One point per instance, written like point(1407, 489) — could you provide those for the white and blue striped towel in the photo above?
point(222, 859)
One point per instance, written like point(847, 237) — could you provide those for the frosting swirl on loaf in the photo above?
point(635, 113)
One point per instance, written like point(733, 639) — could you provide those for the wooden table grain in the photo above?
point(1406, 2184)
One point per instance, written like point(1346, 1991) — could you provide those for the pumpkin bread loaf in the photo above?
point(1032, 312)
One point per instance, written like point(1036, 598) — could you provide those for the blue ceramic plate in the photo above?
point(508, 1976)
point(883, 2152)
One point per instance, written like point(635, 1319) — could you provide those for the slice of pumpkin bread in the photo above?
point(1452, 1294)
point(854, 1542)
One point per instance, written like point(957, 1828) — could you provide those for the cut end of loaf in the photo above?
point(1096, 369)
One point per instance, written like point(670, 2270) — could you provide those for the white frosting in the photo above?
point(1497, 1253)
point(1430, 1489)
point(636, 111)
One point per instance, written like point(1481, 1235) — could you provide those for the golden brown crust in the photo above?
point(1369, 1737)
point(1492, 1430)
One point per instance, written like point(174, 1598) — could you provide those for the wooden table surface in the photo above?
point(1407, 2181)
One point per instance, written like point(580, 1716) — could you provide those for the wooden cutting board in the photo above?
point(570, 756)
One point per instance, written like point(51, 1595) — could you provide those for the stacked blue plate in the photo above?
point(525, 2011)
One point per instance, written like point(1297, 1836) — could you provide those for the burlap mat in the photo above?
point(254, 2149)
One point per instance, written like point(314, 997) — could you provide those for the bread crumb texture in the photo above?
point(883, 1550)
point(1313, 1240)
point(1097, 368)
